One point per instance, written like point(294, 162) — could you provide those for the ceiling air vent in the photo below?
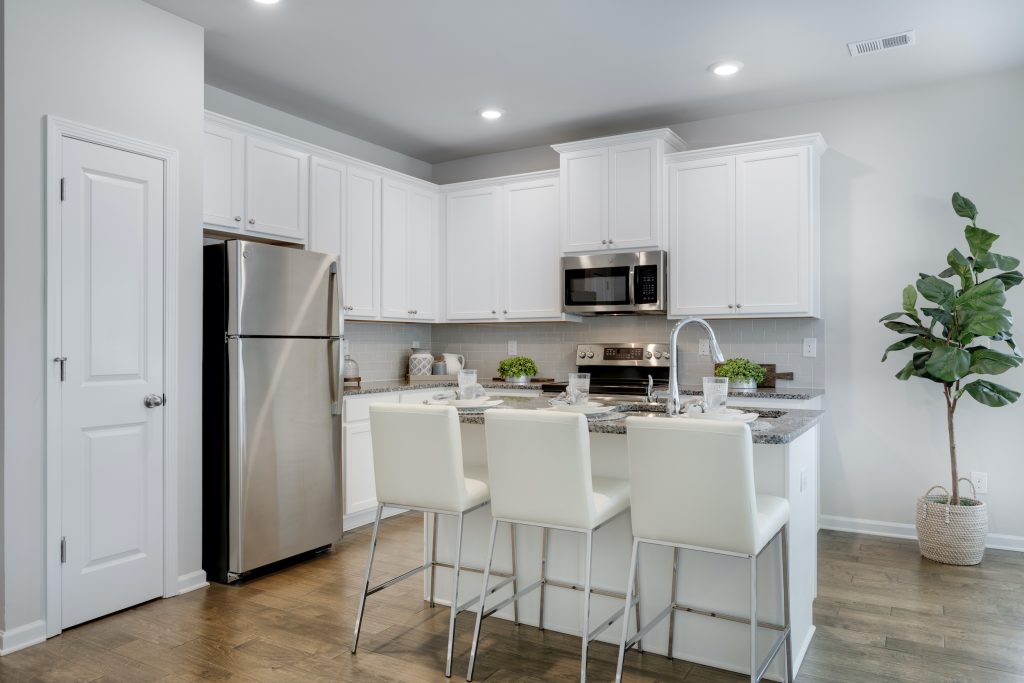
point(864, 47)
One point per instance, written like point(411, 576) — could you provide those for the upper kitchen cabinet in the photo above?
point(531, 267)
point(360, 247)
point(473, 235)
point(254, 184)
point(409, 252)
point(611, 191)
point(744, 229)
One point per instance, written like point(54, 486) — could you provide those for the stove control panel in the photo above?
point(627, 353)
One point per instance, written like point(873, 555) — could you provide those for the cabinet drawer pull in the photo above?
point(252, 221)
point(730, 305)
point(494, 312)
point(238, 219)
point(604, 241)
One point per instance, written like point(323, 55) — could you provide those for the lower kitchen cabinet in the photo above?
point(357, 459)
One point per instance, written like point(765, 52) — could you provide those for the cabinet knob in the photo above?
point(730, 305)
point(252, 221)
point(238, 219)
point(611, 241)
point(505, 312)
point(604, 241)
point(739, 305)
point(494, 312)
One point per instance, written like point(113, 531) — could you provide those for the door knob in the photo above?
point(153, 401)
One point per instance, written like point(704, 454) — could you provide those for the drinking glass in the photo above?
point(466, 378)
point(716, 394)
point(579, 386)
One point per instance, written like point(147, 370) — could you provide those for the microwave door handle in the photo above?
point(632, 285)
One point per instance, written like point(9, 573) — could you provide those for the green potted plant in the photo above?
point(951, 337)
point(742, 373)
point(517, 369)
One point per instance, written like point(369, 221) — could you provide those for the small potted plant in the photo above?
point(517, 369)
point(743, 374)
point(961, 335)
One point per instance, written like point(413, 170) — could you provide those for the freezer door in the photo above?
point(285, 452)
point(278, 291)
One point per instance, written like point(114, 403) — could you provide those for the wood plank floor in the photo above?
point(884, 614)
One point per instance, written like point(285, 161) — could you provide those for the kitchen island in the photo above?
point(785, 464)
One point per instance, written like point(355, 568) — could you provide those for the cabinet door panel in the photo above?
point(277, 190)
point(223, 177)
point(531, 268)
point(585, 200)
point(701, 237)
point(327, 206)
point(473, 225)
point(360, 488)
point(394, 286)
point(423, 248)
point(361, 246)
point(633, 219)
point(773, 237)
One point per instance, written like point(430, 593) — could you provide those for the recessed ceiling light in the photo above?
point(266, 2)
point(725, 68)
point(491, 114)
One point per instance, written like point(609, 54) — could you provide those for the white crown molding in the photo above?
point(813, 140)
point(500, 180)
point(317, 150)
point(667, 135)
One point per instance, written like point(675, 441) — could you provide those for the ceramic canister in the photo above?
point(420, 362)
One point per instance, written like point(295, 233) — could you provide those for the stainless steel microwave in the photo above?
point(614, 283)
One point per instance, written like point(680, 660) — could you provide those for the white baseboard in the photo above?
point(192, 581)
point(21, 637)
point(899, 530)
point(364, 517)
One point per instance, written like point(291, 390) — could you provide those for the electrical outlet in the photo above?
point(810, 347)
point(513, 347)
point(980, 481)
point(415, 345)
point(704, 347)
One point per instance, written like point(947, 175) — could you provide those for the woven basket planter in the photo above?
point(952, 534)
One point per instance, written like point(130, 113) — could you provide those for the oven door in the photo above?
point(612, 283)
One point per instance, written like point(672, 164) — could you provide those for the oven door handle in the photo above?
point(632, 285)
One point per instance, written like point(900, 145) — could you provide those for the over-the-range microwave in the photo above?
point(603, 283)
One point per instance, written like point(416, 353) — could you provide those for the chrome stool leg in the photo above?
point(586, 604)
point(515, 575)
point(543, 573)
point(455, 596)
point(636, 591)
point(483, 600)
point(785, 603)
point(433, 558)
point(753, 619)
point(366, 582)
point(631, 585)
point(672, 614)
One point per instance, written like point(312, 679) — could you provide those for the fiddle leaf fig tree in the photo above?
point(963, 307)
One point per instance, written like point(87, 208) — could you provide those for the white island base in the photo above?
point(707, 582)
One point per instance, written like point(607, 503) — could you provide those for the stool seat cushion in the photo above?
point(611, 496)
point(477, 489)
point(772, 515)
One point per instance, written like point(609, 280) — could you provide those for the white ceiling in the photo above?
point(411, 75)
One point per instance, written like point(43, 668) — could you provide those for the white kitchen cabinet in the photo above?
point(473, 236)
point(531, 267)
point(409, 252)
point(223, 177)
point(360, 253)
point(611, 191)
point(326, 205)
point(743, 230)
point(360, 489)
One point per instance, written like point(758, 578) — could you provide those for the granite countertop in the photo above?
point(774, 427)
point(381, 387)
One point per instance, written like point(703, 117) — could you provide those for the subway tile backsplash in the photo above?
point(382, 349)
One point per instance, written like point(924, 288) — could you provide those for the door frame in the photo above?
point(57, 129)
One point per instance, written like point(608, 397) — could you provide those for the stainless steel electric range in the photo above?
point(621, 368)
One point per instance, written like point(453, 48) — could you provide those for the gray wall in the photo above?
point(893, 161)
point(124, 66)
point(238, 107)
point(539, 158)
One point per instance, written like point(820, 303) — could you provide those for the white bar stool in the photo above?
point(539, 465)
point(417, 461)
point(720, 513)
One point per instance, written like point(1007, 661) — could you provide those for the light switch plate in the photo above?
point(980, 481)
point(810, 347)
point(513, 347)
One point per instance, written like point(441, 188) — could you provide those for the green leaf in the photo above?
point(948, 363)
point(891, 316)
point(964, 207)
point(1010, 279)
point(907, 371)
point(985, 322)
point(988, 362)
point(990, 393)
point(960, 266)
point(986, 295)
point(940, 315)
point(936, 290)
point(910, 300)
point(979, 240)
point(999, 261)
point(898, 346)
point(906, 328)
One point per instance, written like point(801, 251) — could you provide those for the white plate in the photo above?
point(588, 409)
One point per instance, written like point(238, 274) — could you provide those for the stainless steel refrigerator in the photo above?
point(271, 406)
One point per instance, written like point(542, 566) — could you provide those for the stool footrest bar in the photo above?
point(508, 601)
point(397, 579)
point(772, 653)
point(575, 587)
point(609, 621)
point(727, 617)
point(651, 624)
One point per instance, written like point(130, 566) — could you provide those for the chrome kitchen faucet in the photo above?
point(673, 405)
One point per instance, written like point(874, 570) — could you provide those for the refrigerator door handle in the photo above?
point(333, 365)
point(335, 315)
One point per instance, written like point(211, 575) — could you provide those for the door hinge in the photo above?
point(62, 189)
point(63, 549)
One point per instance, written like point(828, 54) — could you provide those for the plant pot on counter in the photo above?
point(748, 384)
point(518, 379)
point(952, 534)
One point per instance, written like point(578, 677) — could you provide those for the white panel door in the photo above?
point(702, 207)
point(423, 248)
point(585, 200)
point(326, 206)
point(360, 251)
point(394, 281)
point(112, 227)
point(773, 232)
point(633, 195)
point(532, 271)
point(223, 177)
point(276, 190)
point(360, 486)
point(473, 222)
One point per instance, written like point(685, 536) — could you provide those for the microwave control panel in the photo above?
point(645, 290)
